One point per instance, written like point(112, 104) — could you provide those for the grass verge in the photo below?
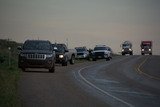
point(8, 85)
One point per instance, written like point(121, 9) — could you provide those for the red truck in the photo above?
point(146, 47)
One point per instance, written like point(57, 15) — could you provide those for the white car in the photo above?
point(102, 52)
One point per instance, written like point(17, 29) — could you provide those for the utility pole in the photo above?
point(67, 41)
point(9, 56)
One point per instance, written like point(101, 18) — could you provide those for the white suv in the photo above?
point(102, 52)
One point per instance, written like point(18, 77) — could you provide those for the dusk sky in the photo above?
point(83, 22)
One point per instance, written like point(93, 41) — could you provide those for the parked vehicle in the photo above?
point(102, 52)
point(146, 47)
point(82, 53)
point(127, 48)
point(64, 55)
point(36, 54)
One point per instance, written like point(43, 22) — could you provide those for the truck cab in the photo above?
point(102, 52)
point(63, 54)
point(127, 48)
point(146, 47)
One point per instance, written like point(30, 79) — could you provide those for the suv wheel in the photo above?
point(107, 59)
point(52, 69)
point(65, 62)
point(72, 61)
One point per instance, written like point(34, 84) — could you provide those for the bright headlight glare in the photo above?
point(142, 49)
point(122, 49)
point(130, 49)
point(149, 49)
point(60, 56)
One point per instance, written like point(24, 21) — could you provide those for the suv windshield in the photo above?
point(124, 45)
point(37, 45)
point(100, 48)
point(80, 49)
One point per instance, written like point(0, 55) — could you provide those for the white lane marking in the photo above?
point(118, 99)
point(106, 81)
point(143, 72)
point(131, 92)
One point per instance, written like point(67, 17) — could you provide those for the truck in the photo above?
point(64, 55)
point(102, 52)
point(146, 47)
point(36, 54)
point(126, 48)
point(82, 52)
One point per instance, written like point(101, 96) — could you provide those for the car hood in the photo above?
point(100, 51)
point(37, 51)
point(82, 52)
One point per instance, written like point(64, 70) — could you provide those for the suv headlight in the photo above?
point(105, 52)
point(122, 50)
point(130, 49)
point(149, 49)
point(49, 55)
point(85, 54)
point(61, 56)
point(142, 49)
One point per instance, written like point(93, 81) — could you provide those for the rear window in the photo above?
point(37, 45)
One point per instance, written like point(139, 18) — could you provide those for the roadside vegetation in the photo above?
point(9, 74)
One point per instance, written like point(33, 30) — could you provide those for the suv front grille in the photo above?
point(99, 53)
point(146, 49)
point(80, 53)
point(36, 56)
point(126, 49)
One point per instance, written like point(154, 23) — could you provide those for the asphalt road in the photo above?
point(125, 81)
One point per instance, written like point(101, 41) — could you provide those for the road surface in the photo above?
point(125, 81)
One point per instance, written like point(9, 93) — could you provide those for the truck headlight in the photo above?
point(149, 49)
point(61, 56)
point(142, 49)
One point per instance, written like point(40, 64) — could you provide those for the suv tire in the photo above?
point(72, 61)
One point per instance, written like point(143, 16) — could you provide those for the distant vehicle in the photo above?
point(146, 47)
point(63, 54)
point(127, 48)
point(102, 52)
point(36, 54)
point(82, 53)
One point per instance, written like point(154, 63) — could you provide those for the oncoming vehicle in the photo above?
point(82, 53)
point(146, 47)
point(102, 52)
point(63, 54)
point(36, 54)
point(127, 48)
